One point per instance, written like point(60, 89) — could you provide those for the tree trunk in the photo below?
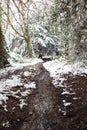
point(70, 17)
point(3, 53)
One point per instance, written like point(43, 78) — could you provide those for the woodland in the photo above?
point(43, 65)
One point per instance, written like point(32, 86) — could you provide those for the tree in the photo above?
point(3, 53)
point(20, 16)
point(16, 16)
point(69, 18)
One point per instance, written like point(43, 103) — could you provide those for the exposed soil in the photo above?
point(46, 109)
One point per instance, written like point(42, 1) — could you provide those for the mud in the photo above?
point(45, 109)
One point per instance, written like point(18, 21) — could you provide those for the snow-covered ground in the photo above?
point(63, 67)
point(20, 65)
point(58, 68)
point(7, 83)
point(55, 67)
point(6, 86)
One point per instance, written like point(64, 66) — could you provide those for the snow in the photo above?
point(40, 29)
point(17, 65)
point(67, 93)
point(14, 81)
point(67, 104)
point(6, 124)
point(6, 90)
point(64, 112)
point(22, 103)
point(30, 85)
point(64, 101)
point(7, 84)
point(58, 81)
point(63, 67)
point(75, 98)
point(17, 60)
point(27, 73)
point(26, 93)
point(41, 42)
point(26, 62)
point(3, 97)
point(57, 68)
point(5, 108)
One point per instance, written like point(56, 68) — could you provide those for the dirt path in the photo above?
point(47, 107)
point(47, 110)
point(43, 112)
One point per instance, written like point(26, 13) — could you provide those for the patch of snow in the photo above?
point(5, 70)
point(6, 90)
point(22, 103)
point(13, 108)
point(40, 29)
point(11, 82)
point(5, 108)
point(55, 68)
point(58, 81)
point(49, 40)
point(47, 56)
point(14, 92)
point(67, 93)
point(15, 57)
point(3, 97)
point(26, 62)
point(30, 85)
point(6, 124)
point(15, 66)
point(27, 73)
point(25, 93)
point(58, 68)
point(0, 102)
point(14, 81)
point(64, 112)
point(75, 98)
point(64, 101)
point(41, 42)
point(63, 67)
point(67, 104)
point(60, 109)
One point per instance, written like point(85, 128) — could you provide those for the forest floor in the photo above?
point(32, 98)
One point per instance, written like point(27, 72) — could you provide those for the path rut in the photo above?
point(43, 112)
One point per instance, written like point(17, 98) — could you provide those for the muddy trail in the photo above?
point(43, 112)
point(48, 107)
